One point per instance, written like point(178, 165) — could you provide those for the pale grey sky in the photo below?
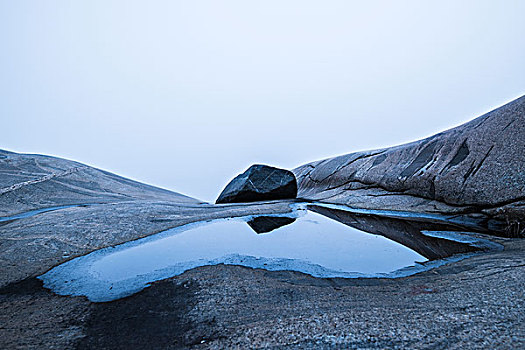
point(187, 94)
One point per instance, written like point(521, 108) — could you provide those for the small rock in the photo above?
point(260, 183)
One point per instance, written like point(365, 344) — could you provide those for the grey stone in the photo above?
point(30, 181)
point(230, 306)
point(475, 171)
point(260, 183)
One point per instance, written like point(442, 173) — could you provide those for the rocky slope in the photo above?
point(476, 170)
point(31, 181)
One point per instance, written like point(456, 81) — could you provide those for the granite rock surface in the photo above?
point(473, 304)
point(260, 183)
point(32, 181)
point(475, 171)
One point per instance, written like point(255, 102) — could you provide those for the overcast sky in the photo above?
point(187, 94)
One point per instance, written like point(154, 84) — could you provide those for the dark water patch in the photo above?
point(27, 286)
point(156, 318)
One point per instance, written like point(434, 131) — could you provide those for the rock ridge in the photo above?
point(476, 169)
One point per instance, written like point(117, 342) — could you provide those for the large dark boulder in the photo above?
point(260, 183)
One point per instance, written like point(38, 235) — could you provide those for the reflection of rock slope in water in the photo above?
point(324, 308)
point(476, 169)
point(405, 232)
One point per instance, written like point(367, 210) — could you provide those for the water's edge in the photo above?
point(74, 277)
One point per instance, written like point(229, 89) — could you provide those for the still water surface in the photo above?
point(303, 241)
point(313, 244)
point(312, 239)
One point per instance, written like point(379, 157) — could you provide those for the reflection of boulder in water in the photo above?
point(260, 183)
point(405, 232)
point(476, 170)
point(263, 224)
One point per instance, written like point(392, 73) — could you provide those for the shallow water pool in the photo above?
point(307, 242)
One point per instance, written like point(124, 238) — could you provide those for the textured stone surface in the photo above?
point(474, 304)
point(260, 183)
point(48, 239)
point(29, 181)
point(476, 170)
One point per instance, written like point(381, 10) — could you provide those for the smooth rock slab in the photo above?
point(260, 183)
point(475, 171)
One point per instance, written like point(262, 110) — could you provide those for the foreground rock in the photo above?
point(475, 171)
point(260, 183)
point(476, 303)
